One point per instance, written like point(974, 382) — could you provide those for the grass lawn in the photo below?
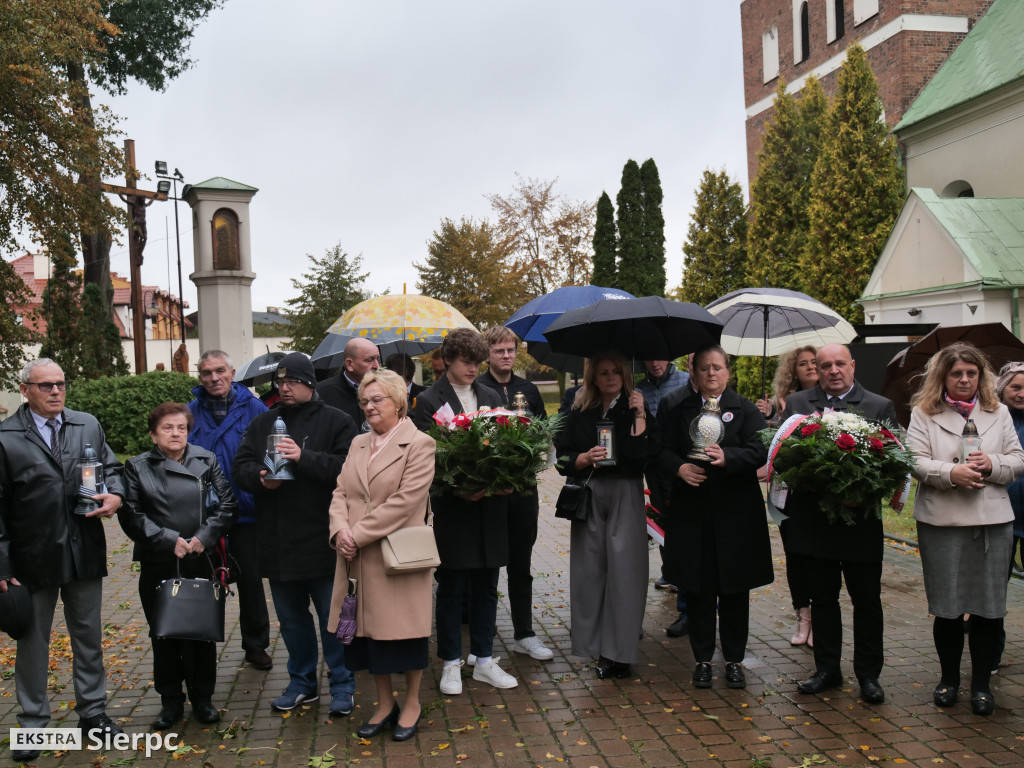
point(901, 524)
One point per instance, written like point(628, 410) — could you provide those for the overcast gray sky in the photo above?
point(367, 123)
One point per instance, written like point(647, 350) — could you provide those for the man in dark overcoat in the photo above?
point(51, 550)
point(838, 551)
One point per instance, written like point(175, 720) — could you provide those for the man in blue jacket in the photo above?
point(223, 410)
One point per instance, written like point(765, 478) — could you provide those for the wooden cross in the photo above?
point(137, 200)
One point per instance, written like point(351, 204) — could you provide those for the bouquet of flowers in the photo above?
point(847, 462)
point(493, 451)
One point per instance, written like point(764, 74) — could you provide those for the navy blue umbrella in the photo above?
point(530, 322)
point(648, 328)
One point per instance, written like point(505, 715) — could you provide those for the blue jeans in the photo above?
point(291, 601)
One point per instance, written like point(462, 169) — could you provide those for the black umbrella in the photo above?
point(648, 328)
point(260, 369)
point(331, 351)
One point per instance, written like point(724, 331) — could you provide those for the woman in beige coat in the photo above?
point(384, 485)
point(963, 513)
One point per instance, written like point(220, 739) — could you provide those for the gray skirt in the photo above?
point(965, 568)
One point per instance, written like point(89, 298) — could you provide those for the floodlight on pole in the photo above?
point(161, 171)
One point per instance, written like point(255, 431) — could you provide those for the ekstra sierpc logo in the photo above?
point(60, 739)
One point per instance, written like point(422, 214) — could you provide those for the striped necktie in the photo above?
point(54, 426)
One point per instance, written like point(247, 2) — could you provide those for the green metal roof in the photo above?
point(988, 230)
point(219, 182)
point(991, 56)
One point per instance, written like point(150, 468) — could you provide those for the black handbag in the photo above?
point(190, 609)
point(574, 500)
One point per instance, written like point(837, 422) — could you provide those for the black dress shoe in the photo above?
point(259, 660)
point(621, 670)
point(871, 692)
point(369, 730)
point(734, 676)
point(101, 723)
point(945, 695)
point(821, 681)
point(205, 712)
point(24, 755)
point(702, 675)
point(679, 627)
point(401, 733)
point(169, 715)
point(982, 703)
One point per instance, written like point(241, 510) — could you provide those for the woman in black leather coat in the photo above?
point(178, 504)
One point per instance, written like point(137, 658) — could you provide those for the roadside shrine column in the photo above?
point(223, 261)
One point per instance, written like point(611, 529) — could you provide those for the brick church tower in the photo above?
point(906, 42)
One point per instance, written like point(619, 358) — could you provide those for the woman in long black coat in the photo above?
point(717, 547)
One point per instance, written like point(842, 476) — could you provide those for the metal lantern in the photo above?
point(91, 483)
point(606, 439)
point(279, 468)
point(519, 404)
point(707, 429)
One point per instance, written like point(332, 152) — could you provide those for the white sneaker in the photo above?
point(471, 660)
point(451, 679)
point(532, 646)
point(492, 674)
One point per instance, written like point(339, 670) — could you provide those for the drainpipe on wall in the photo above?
point(1015, 312)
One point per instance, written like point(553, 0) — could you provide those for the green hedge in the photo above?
point(122, 403)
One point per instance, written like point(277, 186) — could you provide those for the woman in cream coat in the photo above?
point(963, 513)
point(384, 485)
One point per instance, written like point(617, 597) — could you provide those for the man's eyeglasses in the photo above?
point(376, 400)
point(47, 386)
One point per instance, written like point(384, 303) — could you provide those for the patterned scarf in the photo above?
point(963, 408)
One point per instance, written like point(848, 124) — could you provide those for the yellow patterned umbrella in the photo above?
point(400, 316)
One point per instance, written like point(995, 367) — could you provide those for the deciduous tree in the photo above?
point(604, 243)
point(549, 235)
point(780, 194)
point(856, 192)
point(333, 285)
point(47, 143)
point(472, 267)
point(714, 261)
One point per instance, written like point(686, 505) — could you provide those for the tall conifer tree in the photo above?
point(604, 243)
point(715, 249)
point(14, 334)
point(654, 230)
point(780, 194)
point(62, 309)
point(632, 256)
point(857, 190)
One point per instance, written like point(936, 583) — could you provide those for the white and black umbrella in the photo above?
point(773, 321)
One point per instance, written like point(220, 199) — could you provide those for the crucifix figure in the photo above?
point(137, 200)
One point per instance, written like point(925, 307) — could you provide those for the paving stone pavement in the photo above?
point(561, 714)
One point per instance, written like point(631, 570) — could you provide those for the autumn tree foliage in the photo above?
point(143, 40)
point(549, 236)
point(714, 260)
point(47, 143)
point(472, 266)
point(332, 285)
point(856, 192)
point(604, 243)
point(780, 194)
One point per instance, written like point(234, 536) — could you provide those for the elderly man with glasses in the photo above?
point(52, 551)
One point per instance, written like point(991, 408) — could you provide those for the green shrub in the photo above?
point(122, 403)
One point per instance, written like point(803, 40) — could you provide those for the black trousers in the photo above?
point(523, 512)
point(253, 618)
point(456, 586)
point(732, 611)
point(864, 585)
point(178, 661)
point(796, 571)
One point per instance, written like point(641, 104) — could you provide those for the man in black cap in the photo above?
point(54, 552)
point(293, 527)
